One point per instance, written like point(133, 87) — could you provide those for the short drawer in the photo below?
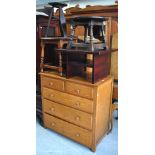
point(69, 114)
point(53, 123)
point(69, 100)
point(74, 132)
point(79, 134)
point(79, 90)
point(52, 83)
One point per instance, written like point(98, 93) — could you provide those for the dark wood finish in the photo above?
point(41, 27)
point(59, 20)
point(89, 54)
point(90, 42)
point(39, 106)
point(101, 65)
point(77, 62)
point(111, 12)
point(55, 63)
point(40, 21)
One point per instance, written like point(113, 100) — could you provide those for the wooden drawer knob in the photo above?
point(51, 95)
point(51, 83)
point(77, 118)
point(52, 109)
point(77, 135)
point(77, 104)
point(52, 124)
point(77, 91)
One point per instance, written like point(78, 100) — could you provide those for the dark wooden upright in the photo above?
point(56, 40)
point(61, 19)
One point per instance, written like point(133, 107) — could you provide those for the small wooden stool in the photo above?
point(60, 42)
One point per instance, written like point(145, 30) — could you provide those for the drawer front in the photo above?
point(69, 100)
point(79, 90)
point(53, 83)
point(53, 123)
point(79, 134)
point(74, 132)
point(69, 114)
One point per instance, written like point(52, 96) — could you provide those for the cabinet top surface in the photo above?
point(55, 38)
point(74, 79)
point(96, 52)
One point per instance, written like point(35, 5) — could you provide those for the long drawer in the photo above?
point(69, 114)
point(69, 100)
point(79, 90)
point(74, 132)
point(53, 83)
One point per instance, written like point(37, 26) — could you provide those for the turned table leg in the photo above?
point(42, 57)
point(60, 45)
point(60, 63)
point(91, 38)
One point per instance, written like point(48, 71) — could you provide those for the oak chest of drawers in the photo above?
point(77, 109)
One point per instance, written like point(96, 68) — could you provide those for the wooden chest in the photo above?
point(77, 109)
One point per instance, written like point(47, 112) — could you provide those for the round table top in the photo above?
point(88, 18)
point(57, 4)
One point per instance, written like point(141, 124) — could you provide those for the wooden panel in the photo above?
point(103, 105)
point(74, 132)
point(75, 116)
point(114, 57)
point(53, 83)
point(69, 100)
point(79, 90)
point(79, 134)
point(53, 123)
point(105, 11)
point(101, 66)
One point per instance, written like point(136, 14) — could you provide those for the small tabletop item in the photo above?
point(91, 41)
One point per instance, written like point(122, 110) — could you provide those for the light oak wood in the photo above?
point(53, 123)
point(74, 132)
point(79, 90)
point(73, 101)
point(103, 109)
point(79, 134)
point(76, 79)
point(106, 11)
point(52, 83)
point(69, 114)
point(87, 124)
point(114, 57)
